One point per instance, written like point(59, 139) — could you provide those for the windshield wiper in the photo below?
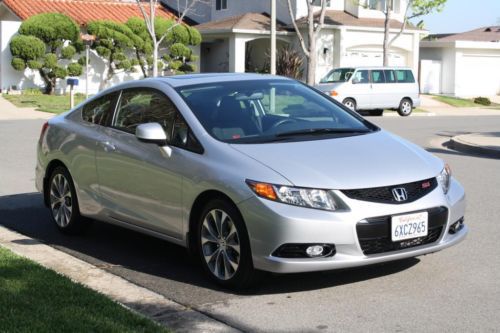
point(316, 131)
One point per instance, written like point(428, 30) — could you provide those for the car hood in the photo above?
point(327, 87)
point(370, 160)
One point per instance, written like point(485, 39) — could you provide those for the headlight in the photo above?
point(297, 196)
point(444, 178)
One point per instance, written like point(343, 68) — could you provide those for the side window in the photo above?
point(140, 106)
point(183, 137)
point(100, 110)
point(378, 76)
point(405, 76)
point(390, 77)
point(361, 77)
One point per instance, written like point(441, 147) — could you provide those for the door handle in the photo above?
point(108, 146)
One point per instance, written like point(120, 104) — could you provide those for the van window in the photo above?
point(405, 76)
point(390, 77)
point(361, 76)
point(338, 75)
point(378, 76)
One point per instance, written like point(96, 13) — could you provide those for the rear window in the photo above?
point(404, 76)
point(390, 77)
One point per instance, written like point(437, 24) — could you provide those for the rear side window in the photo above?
point(140, 106)
point(378, 76)
point(404, 76)
point(100, 110)
point(390, 77)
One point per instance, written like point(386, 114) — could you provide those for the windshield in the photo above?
point(258, 111)
point(338, 75)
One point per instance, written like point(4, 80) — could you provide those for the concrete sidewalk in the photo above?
point(442, 109)
point(9, 111)
point(486, 144)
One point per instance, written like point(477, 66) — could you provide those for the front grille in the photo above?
point(415, 191)
point(374, 234)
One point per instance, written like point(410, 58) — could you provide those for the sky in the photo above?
point(463, 15)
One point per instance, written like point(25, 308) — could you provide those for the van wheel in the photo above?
point(377, 112)
point(350, 104)
point(405, 107)
point(224, 247)
point(63, 202)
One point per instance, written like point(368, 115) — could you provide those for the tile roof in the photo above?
point(248, 21)
point(485, 34)
point(338, 17)
point(82, 11)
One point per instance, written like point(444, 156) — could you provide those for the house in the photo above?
point(462, 64)
point(236, 34)
point(14, 12)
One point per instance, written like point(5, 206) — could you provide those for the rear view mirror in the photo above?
point(356, 80)
point(151, 132)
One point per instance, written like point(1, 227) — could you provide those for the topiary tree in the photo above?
point(173, 51)
point(114, 40)
point(45, 40)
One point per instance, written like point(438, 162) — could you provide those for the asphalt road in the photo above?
point(454, 290)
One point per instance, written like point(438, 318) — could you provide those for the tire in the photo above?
point(405, 107)
point(349, 103)
point(218, 250)
point(63, 203)
point(377, 112)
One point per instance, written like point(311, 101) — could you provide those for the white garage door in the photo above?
point(373, 58)
point(478, 75)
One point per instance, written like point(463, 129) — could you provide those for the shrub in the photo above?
point(482, 101)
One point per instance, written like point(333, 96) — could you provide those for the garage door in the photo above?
point(478, 75)
point(373, 58)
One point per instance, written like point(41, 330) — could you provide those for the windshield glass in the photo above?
point(257, 111)
point(338, 75)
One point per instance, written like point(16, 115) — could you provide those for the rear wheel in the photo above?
point(405, 107)
point(223, 245)
point(63, 202)
point(350, 104)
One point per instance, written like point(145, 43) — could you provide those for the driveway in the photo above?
point(453, 290)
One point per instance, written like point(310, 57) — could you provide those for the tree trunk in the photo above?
point(49, 84)
point(141, 64)
point(387, 28)
point(109, 74)
point(155, 58)
point(311, 45)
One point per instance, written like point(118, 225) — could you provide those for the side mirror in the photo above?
point(151, 132)
point(356, 80)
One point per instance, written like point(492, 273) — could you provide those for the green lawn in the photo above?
point(47, 103)
point(463, 103)
point(35, 299)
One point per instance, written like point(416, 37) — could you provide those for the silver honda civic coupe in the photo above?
point(250, 172)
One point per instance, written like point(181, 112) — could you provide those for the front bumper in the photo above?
point(271, 224)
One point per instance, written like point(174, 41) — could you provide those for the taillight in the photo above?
point(45, 126)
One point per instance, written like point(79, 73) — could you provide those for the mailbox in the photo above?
point(72, 81)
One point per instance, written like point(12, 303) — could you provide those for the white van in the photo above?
point(373, 89)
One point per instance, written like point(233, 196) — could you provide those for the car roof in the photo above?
point(193, 79)
point(375, 67)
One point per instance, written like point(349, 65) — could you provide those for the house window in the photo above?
point(220, 4)
point(381, 5)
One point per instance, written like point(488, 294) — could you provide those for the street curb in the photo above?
point(458, 143)
point(156, 307)
point(416, 114)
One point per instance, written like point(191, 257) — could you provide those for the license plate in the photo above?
point(409, 226)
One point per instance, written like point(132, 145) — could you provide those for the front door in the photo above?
point(360, 89)
point(140, 183)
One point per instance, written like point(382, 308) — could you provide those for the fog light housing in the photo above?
point(315, 251)
point(305, 251)
point(457, 226)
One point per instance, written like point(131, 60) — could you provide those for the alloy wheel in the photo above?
point(61, 202)
point(220, 244)
point(406, 107)
point(349, 104)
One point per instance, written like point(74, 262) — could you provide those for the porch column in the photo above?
point(416, 53)
point(236, 54)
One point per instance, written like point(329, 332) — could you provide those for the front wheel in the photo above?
point(350, 104)
point(223, 245)
point(405, 107)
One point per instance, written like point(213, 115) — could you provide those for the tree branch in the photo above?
point(321, 22)
point(403, 26)
point(297, 31)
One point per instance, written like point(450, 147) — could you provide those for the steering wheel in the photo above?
point(283, 121)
